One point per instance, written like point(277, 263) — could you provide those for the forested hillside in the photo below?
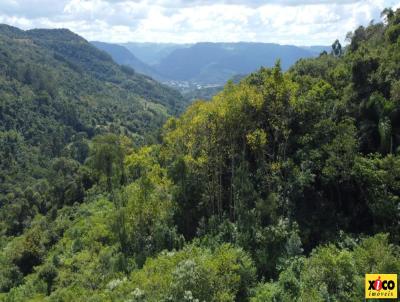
point(283, 187)
point(57, 92)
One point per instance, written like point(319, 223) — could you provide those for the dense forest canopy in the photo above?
point(283, 187)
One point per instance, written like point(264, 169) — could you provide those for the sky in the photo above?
point(297, 22)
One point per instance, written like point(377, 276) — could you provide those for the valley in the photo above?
point(194, 68)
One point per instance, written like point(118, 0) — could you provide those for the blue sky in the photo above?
point(300, 22)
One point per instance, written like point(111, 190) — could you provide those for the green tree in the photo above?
point(107, 158)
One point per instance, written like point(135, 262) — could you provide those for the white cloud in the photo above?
point(302, 22)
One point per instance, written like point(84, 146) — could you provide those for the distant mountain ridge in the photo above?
point(317, 49)
point(152, 53)
point(217, 62)
point(123, 56)
point(205, 63)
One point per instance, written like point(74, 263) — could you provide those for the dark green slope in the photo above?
point(67, 71)
point(57, 90)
